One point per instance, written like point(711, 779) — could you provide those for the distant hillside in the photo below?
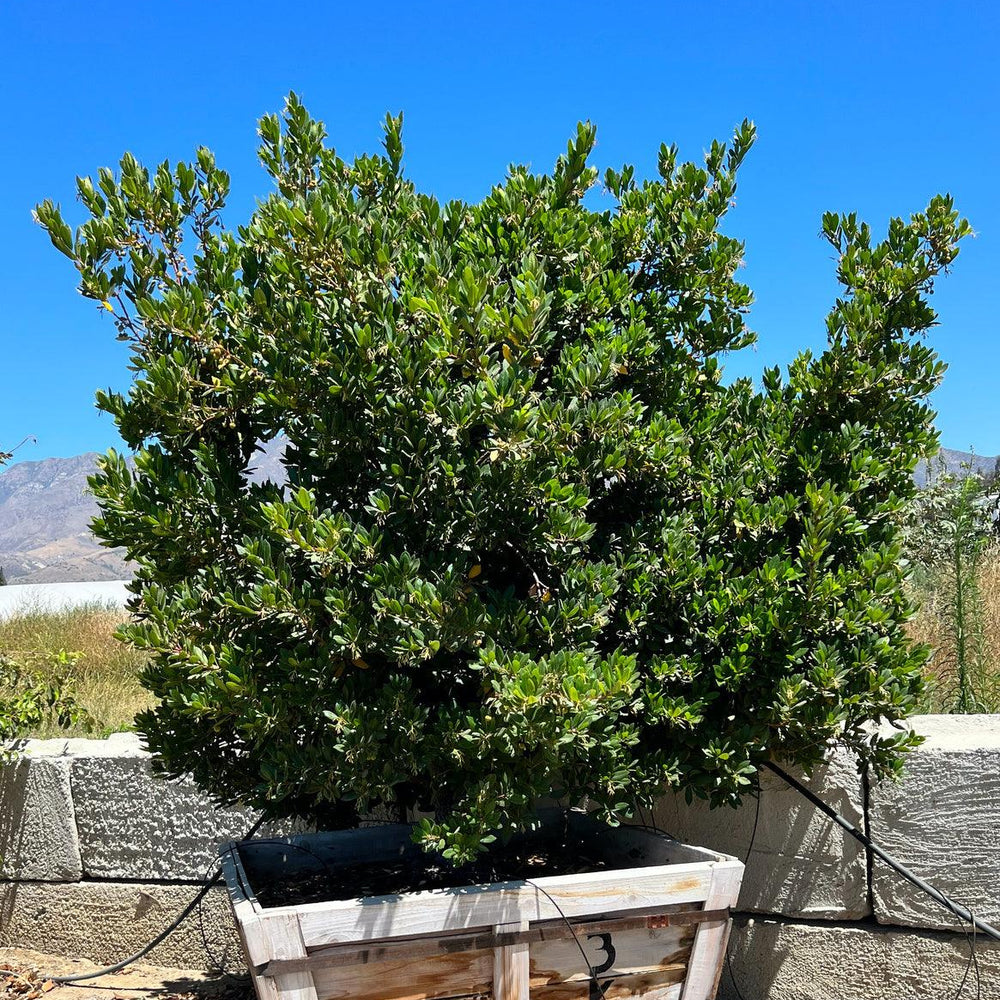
point(45, 515)
point(949, 461)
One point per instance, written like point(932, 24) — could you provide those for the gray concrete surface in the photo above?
point(106, 922)
point(16, 598)
point(38, 838)
point(125, 818)
point(92, 809)
point(801, 864)
point(787, 961)
point(942, 820)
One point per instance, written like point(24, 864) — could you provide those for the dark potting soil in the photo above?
point(533, 857)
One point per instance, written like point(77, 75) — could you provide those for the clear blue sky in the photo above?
point(868, 107)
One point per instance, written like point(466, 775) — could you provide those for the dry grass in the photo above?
point(930, 625)
point(106, 672)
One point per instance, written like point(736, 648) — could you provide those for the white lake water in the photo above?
point(20, 597)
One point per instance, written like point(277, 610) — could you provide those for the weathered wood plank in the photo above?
point(709, 950)
point(611, 954)
point(413, 914)
point(510, 965)
point(640, 958)
point(237, 884)
point(286, 942)
point(254, 939)
point(425, 947)
point(409, 979)
point(659, 985)
point(710, 940)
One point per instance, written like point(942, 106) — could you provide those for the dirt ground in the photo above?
point(24, 976)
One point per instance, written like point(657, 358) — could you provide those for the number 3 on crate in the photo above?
point(609, 950)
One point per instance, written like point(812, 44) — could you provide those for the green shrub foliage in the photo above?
point(949, 532)
point(533, 544)
point(33, 692)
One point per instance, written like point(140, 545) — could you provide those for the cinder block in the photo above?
point(942, 820)
point(106, 922)
point(801, 865)
point(773, 960)
point(37, 830)
point(115, 745)
point(134, 825)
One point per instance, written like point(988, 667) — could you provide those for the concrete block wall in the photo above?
point(788, 960)
point(99, 856)
point(817, 921)
point(801, 865)
point(943, 821)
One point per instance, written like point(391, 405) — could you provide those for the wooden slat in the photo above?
point(286, 942)
point(254, 939)
point(612, 954)
point(650, 960)
point(707, 956)
point(337, 956)
point(510, 965)
point(237, 884)
point(409, 979)
point(710, 939)
point(257, 941)
point(414, 914)
point(662, 985)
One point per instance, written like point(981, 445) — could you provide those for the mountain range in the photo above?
point(955, 463)
point(45, 512)
point(46, 509)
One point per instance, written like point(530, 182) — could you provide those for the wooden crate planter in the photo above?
point(655, 927)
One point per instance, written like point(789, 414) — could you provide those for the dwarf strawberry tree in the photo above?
point(532, 543)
